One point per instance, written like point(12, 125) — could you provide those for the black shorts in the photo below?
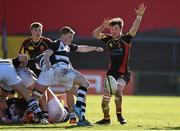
point(32, 66)
point(116, 75)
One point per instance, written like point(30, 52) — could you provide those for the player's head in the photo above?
point(36, 29)
point(66, 34)
point(116, 26)
point(20, 105)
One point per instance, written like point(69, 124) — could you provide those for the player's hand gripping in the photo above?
point(99, 49)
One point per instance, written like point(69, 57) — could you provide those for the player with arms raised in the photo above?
point(119, 47)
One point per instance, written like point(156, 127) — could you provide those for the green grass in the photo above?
point(141, 112)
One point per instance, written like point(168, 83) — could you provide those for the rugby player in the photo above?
point(119, 47)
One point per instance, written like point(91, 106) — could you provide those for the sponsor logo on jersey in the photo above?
point(31, 48)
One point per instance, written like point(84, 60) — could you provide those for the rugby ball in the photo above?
point(110, 84)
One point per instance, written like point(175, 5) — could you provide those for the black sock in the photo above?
point(33, 106)
point(81, 94)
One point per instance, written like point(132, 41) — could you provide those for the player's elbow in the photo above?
point(94, 34)
point(132, 32)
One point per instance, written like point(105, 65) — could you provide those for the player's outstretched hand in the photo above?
point(105, 23)
point(141, 9)
point(99, 49)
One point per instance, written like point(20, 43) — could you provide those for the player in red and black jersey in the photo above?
point(118, 45)
point(35, 45)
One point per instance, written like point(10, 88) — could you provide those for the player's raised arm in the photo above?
point(139, 12)
point(85, 48)
point(97, 33)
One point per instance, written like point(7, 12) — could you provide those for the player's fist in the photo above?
point(23, 57)
point(99, 49)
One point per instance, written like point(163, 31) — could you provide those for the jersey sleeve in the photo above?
point(23, 47)
point(127, 38)
point(16, 62)
point(53, 46)
point(48, 41)
point(73, 47)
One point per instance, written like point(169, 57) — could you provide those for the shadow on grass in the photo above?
point(37, 126)
point(165, 128)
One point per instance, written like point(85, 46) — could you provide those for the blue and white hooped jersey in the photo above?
point(61, 54)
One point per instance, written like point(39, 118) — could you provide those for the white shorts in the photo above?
point(8, 76)
point(64, 75)
point(27, 76)
point(56, 111)
point(46, 77)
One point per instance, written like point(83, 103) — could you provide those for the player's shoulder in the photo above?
point(56, 41)
point(46, 39)
point(127, 34)
point(27, 40)
point(126, 37)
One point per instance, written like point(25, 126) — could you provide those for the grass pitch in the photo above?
point(141, 112)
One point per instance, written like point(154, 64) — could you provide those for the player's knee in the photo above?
point(86, 83)
point(121, 84)
point(117, 98)
point(37, 94)
point(81, 80)
point(106, 99)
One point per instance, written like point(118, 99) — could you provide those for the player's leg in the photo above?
point(65, 77)
point(10, 77)
point(44, 80)
point(43, 104)
point(105, 107)
point(3, 105)
point(32, 103)
point(121, 83)
point(29, 78)
point(80, 106)
point(70, 103)
point(58, 113)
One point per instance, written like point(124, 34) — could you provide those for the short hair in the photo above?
point(116, 21)
point(36, 25)
point(21, 104)
point(65, 30)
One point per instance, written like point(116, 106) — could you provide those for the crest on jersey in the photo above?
point(111, 45)
point(31, 48)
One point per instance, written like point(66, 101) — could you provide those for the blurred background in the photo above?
point(154, 55)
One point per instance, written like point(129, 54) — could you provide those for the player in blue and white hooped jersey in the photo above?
point(55, 65)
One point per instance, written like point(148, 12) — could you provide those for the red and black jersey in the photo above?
point(119, 52)
point(35, 48)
